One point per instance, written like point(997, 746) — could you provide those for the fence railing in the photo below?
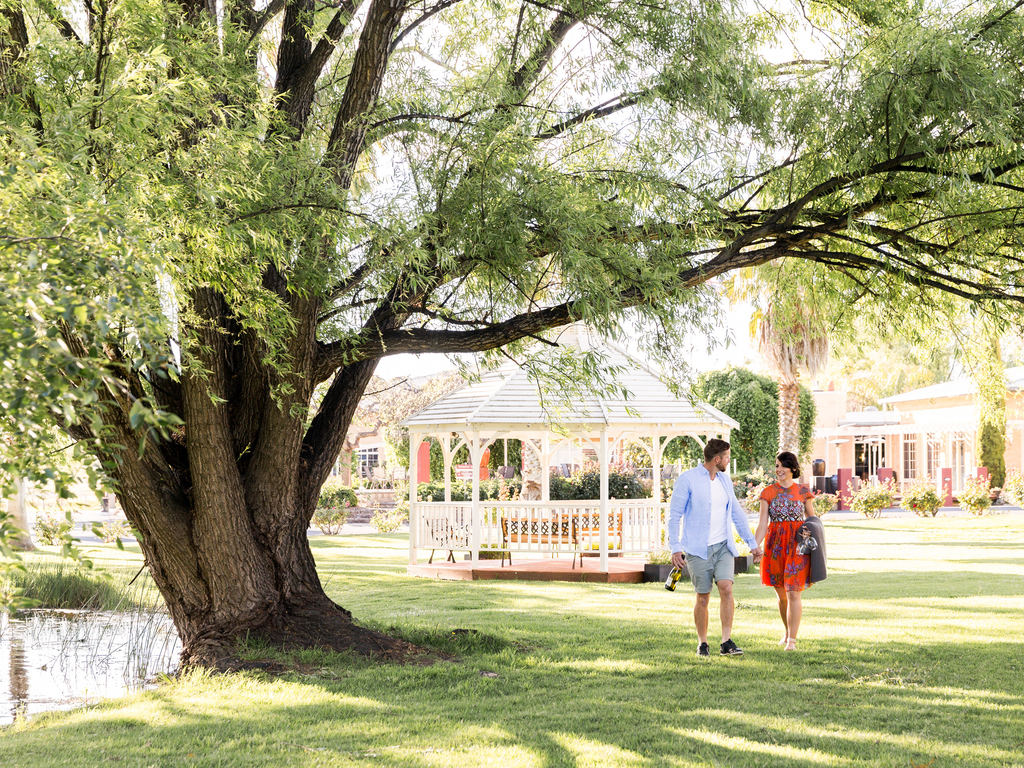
point(634, 526)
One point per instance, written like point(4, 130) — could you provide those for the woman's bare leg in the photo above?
point(793, 614)
point(783, 611)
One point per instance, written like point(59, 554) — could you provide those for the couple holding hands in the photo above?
point(702, 513)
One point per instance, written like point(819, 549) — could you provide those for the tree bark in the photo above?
point(789, 417)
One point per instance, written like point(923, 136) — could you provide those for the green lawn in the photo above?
point(911, 655)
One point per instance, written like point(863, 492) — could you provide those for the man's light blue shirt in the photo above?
point(691, 506)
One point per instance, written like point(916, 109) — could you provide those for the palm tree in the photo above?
point(793, 342)
point(790, 332)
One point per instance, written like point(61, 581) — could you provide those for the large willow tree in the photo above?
point(209, 209)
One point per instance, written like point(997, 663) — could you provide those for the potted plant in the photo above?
point(922, 499)
point(744, 560)
point(870, 499)
point(658, 566)
point(975, 495)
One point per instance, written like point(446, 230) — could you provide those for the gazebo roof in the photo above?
point(507, 396)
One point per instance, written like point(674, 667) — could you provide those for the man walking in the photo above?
point(704, 501)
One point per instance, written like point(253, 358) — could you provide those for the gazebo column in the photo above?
point(446, 456)
point(545, 467)
point(657, 455)
point(603, 459)
point(475, 455)
point(414, 514)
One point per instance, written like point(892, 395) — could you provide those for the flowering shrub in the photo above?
point(755, 482)
point(922, 499)
point(330, 519)
point(1013, 488)
point(824, 503)
point(387, 521)
point(975, 496)
point(112, 531)
point(871, 499)
point(50, 530)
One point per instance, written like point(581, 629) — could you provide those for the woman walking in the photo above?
point(785, 504)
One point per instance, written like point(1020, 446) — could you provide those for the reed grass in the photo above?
point(66, 585)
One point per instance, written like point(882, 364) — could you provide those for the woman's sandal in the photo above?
point(784, 640)
point(790, 644)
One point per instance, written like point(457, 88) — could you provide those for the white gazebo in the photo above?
point(506, 403)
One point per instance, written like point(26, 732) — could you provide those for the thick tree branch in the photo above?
point(299, 84)
point(364, 84)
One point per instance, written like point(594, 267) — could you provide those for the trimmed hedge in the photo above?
point(582, 485)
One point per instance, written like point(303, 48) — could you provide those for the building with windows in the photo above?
point(917, 433)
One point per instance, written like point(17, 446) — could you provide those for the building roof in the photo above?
point(959, 388)
point(507, 396)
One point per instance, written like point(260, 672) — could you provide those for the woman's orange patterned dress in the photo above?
point(782, 565)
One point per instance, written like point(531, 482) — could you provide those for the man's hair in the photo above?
point(715, 447)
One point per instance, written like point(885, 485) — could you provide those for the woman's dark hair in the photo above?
point(788, 460)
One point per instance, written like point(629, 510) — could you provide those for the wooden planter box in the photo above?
point(744, 563)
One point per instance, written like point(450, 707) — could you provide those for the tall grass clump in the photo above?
point(68, 586)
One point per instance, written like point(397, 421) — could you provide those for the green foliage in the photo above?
point(922, 498)
point(388, 521)
point(336, 495)
point(825, 503)
point(985, 361)
point(330, 520)
point(112, 531)
point(585, 483)
point(871, 498)
point(462, 490)
point(1013, 487)
point(753, 400)
point(975, 496)
point(50, 530)
point(69, 586)
point(515, 455)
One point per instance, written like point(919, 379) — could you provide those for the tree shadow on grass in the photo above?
point(864, 704)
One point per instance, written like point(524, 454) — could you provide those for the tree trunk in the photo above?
point(17, 508)
point(227, 585)
point(789, 417)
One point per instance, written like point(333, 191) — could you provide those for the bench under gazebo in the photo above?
point(506, 404)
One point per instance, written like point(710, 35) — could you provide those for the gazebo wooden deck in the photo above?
point(624, 570)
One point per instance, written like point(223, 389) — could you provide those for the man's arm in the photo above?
point(676, 506)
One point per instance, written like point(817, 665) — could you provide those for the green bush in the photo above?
point(824, 503)
point(871, 499)
point(922, 499)
point(387, 521)
point(1013, 488)
point(330, 519)
point(462, 490)
point(50, 530)
point(334, 494)
point(974, 497)
point(586, 484)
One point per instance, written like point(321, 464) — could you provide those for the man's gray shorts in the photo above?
point(719, 566)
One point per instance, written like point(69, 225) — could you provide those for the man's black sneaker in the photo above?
point(703, 650)
point(729, 649)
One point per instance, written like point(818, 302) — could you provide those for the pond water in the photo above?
point(62, 659)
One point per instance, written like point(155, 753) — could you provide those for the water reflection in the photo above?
point(62, 659)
